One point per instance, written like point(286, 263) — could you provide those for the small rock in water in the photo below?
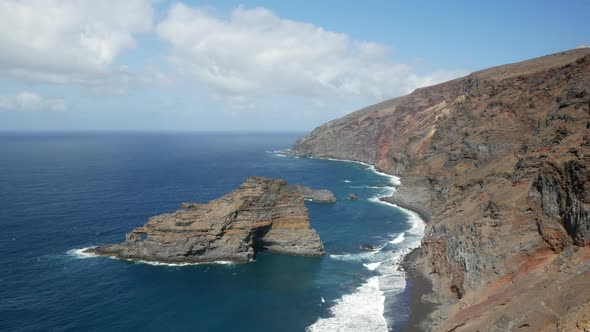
point(352, 196)
point(316, 195)
point(366, 246)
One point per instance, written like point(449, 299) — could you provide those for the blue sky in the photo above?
point(265, 65)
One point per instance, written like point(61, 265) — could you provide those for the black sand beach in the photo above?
point(418, 285)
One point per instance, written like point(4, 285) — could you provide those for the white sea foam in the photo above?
point(372, 266)
point(370, 255)
point(347, 181)
point(399, 239)
point(81, 254)
point(361, 310)
point(277, 153)
point(417, 224)
point(181, 264)
point(376, 199)
point(280, 153)
point(394, 180)
point(361, 256)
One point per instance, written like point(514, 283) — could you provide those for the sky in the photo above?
point(143, 65)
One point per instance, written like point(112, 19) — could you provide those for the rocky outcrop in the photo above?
point(262, 214)
point(499, 162)
point(316, 195)
point(562, 195)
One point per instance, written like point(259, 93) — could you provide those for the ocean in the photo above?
point(62, 192)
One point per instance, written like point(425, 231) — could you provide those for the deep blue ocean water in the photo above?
point(62, 192)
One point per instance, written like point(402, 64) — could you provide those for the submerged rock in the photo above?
point(366, 246)
point(261, 215)
point(352, 196)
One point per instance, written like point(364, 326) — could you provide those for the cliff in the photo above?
point(262, 214)
point(499, 162)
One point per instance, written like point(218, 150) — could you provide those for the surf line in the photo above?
point(364, 308)
point(81, 254)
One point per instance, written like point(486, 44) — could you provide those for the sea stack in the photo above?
point(316, 195)
point(261, 215)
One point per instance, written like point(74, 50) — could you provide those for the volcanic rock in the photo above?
point(499, 161)
point(262, 214)
point(316, 195)
point(366, 246)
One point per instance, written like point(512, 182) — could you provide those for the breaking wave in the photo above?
point(363, 309)
point(399, 239)
point(280, 153)
point(360, 311)
point(81, 254)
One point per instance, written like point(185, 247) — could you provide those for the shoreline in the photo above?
point(85, 253)
point(424, 214)
point(418, 285)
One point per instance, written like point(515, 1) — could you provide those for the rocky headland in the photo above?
point(261, 215)
point(498, 163)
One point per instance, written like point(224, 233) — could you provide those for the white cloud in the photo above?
point(124, 80)
point(149, 77)
point(68, 41)
point(254, 52)
point(31, 101)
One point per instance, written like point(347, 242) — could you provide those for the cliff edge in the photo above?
point(499, 161)
point(261, 215)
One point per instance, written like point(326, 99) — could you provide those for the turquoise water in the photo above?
point(64, 192)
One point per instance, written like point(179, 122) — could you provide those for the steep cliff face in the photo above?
point(262, 214)
point(500, 159)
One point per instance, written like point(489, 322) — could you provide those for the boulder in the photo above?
point(316, 195)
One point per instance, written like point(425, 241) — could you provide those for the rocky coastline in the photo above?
point(261, 215)
point(422, 299)
point(498, 162)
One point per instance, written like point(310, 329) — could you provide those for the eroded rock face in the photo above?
point(316, 195)
point(562, 193)
point(262, 214)
point(499, 162)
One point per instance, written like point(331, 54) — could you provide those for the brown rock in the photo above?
point(262, 214)
point(499, 160)
point(316, 195)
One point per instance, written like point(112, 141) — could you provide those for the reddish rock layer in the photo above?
point(501, 161)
